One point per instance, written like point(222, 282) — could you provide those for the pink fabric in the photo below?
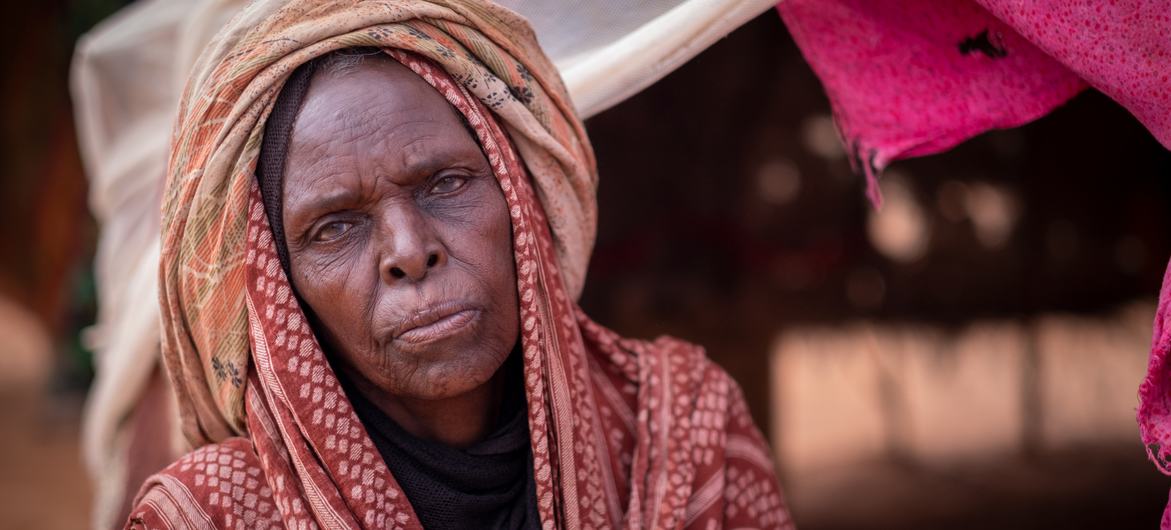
point(1120, 47)
point(915, 77)
point(1154, 411)
point(1154, 396)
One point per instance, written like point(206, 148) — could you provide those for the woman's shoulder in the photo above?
point(219, 485)
point(633, 357)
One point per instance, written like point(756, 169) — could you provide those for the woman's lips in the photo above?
point(436, 324)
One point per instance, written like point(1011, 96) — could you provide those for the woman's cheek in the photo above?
point(320, 280)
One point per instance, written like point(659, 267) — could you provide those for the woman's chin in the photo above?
point(445, 378)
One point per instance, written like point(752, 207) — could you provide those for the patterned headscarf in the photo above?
point(487, 49)
point(623, 433)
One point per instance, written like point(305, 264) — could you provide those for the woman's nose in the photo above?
point(409, 248)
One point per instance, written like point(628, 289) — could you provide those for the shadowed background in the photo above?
point(966, 358)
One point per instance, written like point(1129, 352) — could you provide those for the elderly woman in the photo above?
point(377, 219)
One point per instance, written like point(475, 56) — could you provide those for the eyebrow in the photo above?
point(418, 168)
point(432, 161)
point(328, 201)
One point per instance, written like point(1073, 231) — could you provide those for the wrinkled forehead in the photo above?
point(356, 80)
point(360, 83)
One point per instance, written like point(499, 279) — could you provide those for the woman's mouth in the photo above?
point(436, 323)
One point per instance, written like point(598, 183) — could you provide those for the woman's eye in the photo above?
point(332, 230)
point(448, 184)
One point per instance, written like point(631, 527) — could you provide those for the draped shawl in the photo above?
point(624, 433)
point(488, 49)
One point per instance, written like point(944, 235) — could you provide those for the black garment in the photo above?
point(487, 485)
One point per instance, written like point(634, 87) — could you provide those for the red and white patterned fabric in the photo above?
point(625, 433)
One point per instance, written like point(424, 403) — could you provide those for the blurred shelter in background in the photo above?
point(127, 75)
point(1024, 257)
point(1041, 246)
point(46, 235)
point(609, 50)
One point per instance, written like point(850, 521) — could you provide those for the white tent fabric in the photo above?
point(127, 76)
point(609, 50)
point(126, 79)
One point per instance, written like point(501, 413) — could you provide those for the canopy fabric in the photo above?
point(609, 50)
point(910, 78)
point(126, 77)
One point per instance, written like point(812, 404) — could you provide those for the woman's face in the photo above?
point(398, 234)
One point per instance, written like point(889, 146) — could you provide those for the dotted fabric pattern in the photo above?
point(225, 475)
point(489, 50)
point(624, 433)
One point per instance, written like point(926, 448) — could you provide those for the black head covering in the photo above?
point(274, 150)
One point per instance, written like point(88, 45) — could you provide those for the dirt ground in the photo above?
point(43, 484)
point(1101, 488)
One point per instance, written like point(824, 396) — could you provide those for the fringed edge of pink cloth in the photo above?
point(1154, 409)
point(910, 78)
